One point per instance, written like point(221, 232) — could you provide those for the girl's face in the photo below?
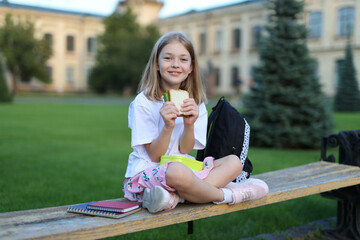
point(174, 65)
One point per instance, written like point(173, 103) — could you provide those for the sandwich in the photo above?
point(176, 96)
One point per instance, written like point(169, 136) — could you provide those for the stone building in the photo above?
point(73, 42)
point(226, 39)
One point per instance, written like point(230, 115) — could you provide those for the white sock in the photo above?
point(227, 196)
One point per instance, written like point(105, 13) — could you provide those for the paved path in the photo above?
point(73, 100)
point(99, 100)
point(309, 231)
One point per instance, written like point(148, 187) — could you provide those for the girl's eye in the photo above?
point(184, 59)
point(167, 58)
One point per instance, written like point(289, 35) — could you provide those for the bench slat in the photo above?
point(284, 184)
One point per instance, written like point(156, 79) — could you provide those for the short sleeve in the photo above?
point(201, 127)
point(142, 123)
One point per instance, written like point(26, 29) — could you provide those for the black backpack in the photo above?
point(227, 133)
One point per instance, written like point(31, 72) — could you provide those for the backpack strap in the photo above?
point(214, 113)
point(212, 117)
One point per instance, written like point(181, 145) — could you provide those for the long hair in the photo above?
point(151, 80)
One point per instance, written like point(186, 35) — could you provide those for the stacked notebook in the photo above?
point(110, 209)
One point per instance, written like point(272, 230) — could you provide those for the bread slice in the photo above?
point(177, 97)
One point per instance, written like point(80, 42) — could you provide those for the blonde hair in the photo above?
point(151, 80)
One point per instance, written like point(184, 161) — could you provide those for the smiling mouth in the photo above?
point(174, 73)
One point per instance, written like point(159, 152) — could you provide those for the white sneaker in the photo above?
point(158, 199)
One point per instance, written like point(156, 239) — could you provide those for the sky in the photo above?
point(106, 7)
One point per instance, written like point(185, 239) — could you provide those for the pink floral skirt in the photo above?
point(134, 187)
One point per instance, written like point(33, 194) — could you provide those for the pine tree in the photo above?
point(4, 91)
point(347, 96)
point(286, 107)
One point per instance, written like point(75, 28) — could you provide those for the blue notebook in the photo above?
point(82, 208)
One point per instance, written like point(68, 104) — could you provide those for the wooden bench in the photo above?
point(285, 184)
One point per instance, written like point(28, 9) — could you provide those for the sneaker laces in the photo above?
point(247, 196)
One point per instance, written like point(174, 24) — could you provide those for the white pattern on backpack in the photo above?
point(244, 175)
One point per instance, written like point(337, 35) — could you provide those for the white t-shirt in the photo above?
point(146, 123)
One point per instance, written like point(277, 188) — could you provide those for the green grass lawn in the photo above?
point(60, 153)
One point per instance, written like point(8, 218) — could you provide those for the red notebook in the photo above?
point(113, 206)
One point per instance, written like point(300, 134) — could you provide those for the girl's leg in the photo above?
point(195, 190)
point(225, 170)
point(157, 199)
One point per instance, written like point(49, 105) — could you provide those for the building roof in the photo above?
point(6, 3)
point(217, 8)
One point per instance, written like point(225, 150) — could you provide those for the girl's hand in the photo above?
point(169, 113)
point(190, 111)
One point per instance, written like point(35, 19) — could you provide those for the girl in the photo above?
point(157, 129)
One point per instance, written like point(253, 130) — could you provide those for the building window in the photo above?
point(49, 39)
point(316, 69)
point(315, 24)
point(70, 75)
point(236, 39)
point(88, 73)
point(256, 36)
point(345, 21)
point(91, 45)
point(219, 41)
point(202, 43)
point(70, 43)
point(217, 76)
point(49, 71)
point(338, 68)
point(253, 72)
point(235, 76)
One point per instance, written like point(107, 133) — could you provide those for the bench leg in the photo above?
point(348, 213)
point(190, 227)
